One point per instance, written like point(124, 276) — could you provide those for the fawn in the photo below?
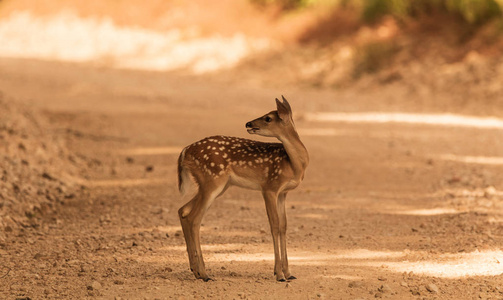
point(218, 162)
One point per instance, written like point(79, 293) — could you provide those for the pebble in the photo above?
point(94, 286)
point(382, 278)
point(355, 284)
point(384, 289)
point(490, 192)
point(432, 288)
point(415, 292)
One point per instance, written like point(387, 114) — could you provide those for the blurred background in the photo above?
point(439, 49)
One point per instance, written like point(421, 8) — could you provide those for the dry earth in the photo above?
point(393, 210)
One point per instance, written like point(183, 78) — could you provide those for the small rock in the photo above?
point(355, 284)
point(47, 176)
point(404, 284)
point(378, 295)
point(489, 192)
point(382, 278)
point(129, 160)
point(384, 289)
point(287, 285)
point(432, 288)
point(94, 286)
point(415, 292)
point(149, 168)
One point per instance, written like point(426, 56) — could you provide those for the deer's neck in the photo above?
point(296, 151)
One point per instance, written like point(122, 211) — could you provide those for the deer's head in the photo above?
point(275, 123)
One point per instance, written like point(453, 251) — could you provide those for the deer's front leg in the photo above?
point(282, 235)
point(272, 213)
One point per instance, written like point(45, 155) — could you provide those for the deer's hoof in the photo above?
point(292, 277)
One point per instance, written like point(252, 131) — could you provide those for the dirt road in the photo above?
point(387, 210)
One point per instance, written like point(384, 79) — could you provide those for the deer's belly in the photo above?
point(244, 182)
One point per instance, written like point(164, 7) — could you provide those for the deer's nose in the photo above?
point(249, 125)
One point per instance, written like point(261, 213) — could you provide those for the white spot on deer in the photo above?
point(217, 153)
point(266, 158)
point(214, 148)
point(242, 162)
point(221, 172)
point(279, 171)
point(221, 148)
point(209, 147)
point(212, 164)
point(250, 163)
point(222, 166)
point(225, 155)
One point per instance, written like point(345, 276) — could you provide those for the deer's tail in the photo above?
point(183, 174)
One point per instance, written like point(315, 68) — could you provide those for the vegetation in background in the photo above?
point(471, 11)
point(373, 56)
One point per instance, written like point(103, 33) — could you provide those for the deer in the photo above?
point(218, 162)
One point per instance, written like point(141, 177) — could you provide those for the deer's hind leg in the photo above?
point(191, 215)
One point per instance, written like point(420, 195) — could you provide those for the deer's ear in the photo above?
point(283, 110)
point(287, 105)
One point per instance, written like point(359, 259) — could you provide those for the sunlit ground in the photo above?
point(408, 118)
point(481, 160)
point(478, 263)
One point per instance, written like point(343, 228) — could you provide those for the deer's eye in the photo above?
point(268, 119)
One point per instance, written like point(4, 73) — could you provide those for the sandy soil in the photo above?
point(386, 210)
